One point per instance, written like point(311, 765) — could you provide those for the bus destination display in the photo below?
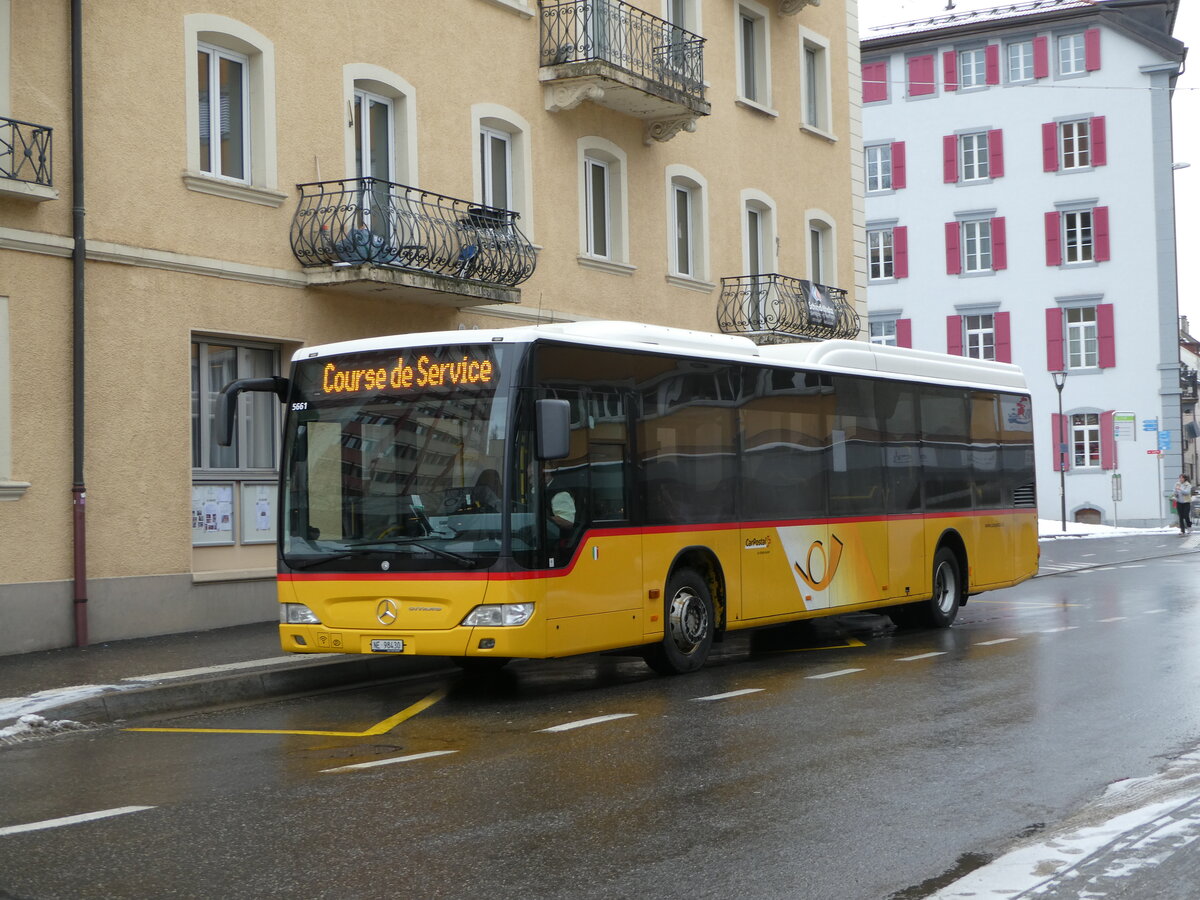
point(415, 370)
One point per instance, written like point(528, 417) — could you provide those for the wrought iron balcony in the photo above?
point(370, 223)
point(621, 57)
point(26, 157)
point(1188, 382)
point(776, 309)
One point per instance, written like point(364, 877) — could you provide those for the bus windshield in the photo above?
point(393, 459)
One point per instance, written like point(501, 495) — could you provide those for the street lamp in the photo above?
point(1060, 378)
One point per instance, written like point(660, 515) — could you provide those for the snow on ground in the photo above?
point(1049, 529)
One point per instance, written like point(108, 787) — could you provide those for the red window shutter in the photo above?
point(996, 153)
point(950, 159)
point(950, 70)
point(1100, 248)
point(954, 339)
point(1106, 336)
point(900, 251)
point(875, 86)
point(1061, 444)
point(1099, 141)
point(953, 256)
point(1041, 57)
point(1108, 441)
point(899, 166)
point(1091, 49)
point(992, 54)
point(1003, 327)
point(1053, 240)
point(1050, 147)
point(920, 75)
point(999, 244)
point(904, 333)
point(1055, 361)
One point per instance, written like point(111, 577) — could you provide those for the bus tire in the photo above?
point(941, 609)
point(689, 623)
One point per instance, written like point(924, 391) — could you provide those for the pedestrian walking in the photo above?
point(1183, 503)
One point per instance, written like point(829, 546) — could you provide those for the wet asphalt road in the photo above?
point(848, 761)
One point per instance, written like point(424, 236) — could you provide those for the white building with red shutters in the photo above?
point(1019, 206)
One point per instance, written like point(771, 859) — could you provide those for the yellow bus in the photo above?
point(561, 489)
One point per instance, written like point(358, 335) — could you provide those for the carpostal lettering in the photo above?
point(426, 373)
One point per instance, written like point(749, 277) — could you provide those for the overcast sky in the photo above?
point(1186, 113)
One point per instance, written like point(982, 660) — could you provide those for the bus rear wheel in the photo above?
point(689, 623)
point(940, 610)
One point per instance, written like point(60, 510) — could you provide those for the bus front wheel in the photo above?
point(689, 623)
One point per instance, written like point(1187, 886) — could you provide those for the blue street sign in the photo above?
point(1149, 424)
point(1164, 440)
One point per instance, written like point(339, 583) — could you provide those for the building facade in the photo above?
point(188, 194)
point(1020, 207)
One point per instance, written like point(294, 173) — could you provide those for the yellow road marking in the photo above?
point(854, 642)
point(381, 728)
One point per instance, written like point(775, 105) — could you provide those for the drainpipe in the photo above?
point(78, 489)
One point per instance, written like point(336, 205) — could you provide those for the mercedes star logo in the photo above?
point(386, 612)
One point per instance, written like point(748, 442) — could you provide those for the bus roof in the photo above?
point(856, 357)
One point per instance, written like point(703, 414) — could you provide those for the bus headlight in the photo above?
point(499, 614)
point(297, 614)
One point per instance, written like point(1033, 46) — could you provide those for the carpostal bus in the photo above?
point(562, 489)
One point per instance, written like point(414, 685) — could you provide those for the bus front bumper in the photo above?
point(520, 641)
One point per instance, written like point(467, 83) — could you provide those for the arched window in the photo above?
point(503, 173)
point(687, 223)
point(604, 224)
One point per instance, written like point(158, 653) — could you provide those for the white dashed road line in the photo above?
point(583, 723)
point(728, 694)
point(72, 820)
point(836, 674)
point(387, 762)
point(921, 656)
point(993, 643)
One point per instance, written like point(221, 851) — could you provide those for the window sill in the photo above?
point(606, 265)
point(755, 106)
point(691, 284)
point(233, 190)
point(819, 132)
point(13, 490)
point(516, 6)
point(878, 282)
point(985, 273)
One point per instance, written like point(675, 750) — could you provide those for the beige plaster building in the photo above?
point(257, 176)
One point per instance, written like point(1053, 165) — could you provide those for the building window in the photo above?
point(224, 110)
point(979, 336)
point(814, 82)
point(880, 255)
point(687, 233)
point(596, 190)
point(883, 331)
point(234, 485)
point(875, 81)
point(878, 161)
point(973, 153)
point(1076, 144)
point(1082, 338)
point(685, 214)
point(920, 75)
point(1085, 439)
point(977, 245)
point(1020, 61)
point(1072, 54)
point(822, 253)
point(1078, 239)
point(972, 67)
point(374, 134)
point(495, 165)
point(752, 54)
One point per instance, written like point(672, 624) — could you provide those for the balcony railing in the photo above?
point(366, 220)
point(625, 37)
point(1189, 380)
point(774, 309)
point(25, 152)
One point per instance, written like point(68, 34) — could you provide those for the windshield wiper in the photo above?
point(464, 561)
point(329, 557)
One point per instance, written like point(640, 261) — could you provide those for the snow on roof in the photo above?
point(959, 18)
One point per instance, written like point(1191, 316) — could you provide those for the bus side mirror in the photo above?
point(553, 429)
point(227, 401)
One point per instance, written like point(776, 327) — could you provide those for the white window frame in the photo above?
point(488, 139)
point(206, 30)
point(504, 121)
point(1071, 53)
point(1081, 335)
point(363, 135)
point(816, 101)
point(972, 68)
point(979, 335)
point(1071, 135)
point(1085, 434)
point(1022, 63)
point(881, 254)
point(877, 161)
point(973, 156)
point(598, 240)
point(822, 247)
point(976, 244)
point(382, 83)
point(683, 178)
point(1078, 237)
point(596, 151)
point(882, 331)
point(216, 113)
point(683, 252)
point(753, 73)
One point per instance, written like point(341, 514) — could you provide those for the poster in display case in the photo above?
point(258, 512)
point(212, 513)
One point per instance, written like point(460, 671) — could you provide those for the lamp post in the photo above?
point(1060, 378)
